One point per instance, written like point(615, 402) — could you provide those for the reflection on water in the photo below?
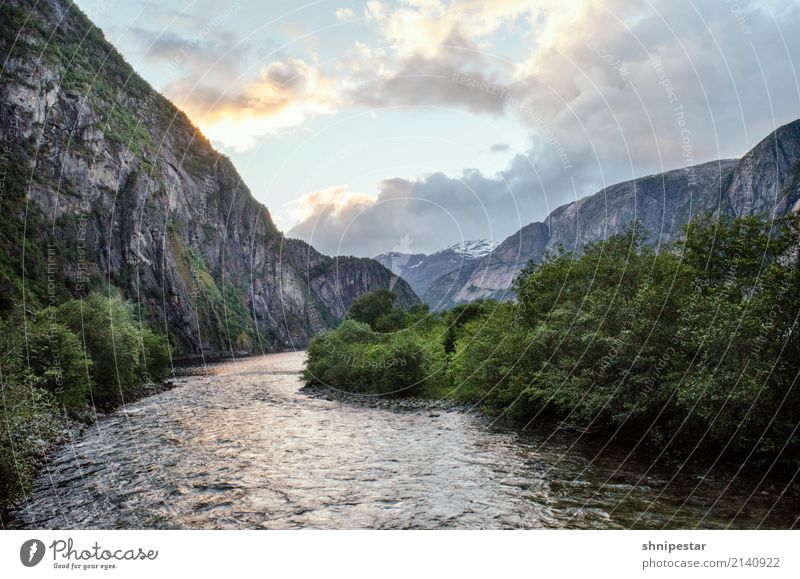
point(242, 448)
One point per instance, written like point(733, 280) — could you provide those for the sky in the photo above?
point(410, 125)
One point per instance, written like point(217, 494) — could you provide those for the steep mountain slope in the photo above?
point(765, 181)
point(421, 270)
point(107, 184)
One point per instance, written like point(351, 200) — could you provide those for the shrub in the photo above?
point(109, 333)
point(696, 344)
point(156, 361)
point(123, 353)
point(30, 419)
point(56, 361)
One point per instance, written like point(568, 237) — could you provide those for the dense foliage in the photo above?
point(62, 362)
point(398, 352)
point(694, 346)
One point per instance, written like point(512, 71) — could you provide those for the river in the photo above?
point(242, 447)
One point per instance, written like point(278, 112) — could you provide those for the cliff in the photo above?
point(105, 184)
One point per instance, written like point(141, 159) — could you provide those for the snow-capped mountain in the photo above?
point(473, 248)
point(420, 269)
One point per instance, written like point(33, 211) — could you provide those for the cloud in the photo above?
point(500, 148)
point(437, 210)
point(586, 71)
point(344, 14)
point(640, 80)
point(425, 28)
point(448, 80)
point(213, 55)
point(426, 45)
point(286, 93)
point(608, 91)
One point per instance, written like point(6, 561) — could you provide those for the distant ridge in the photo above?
point(766, 180)
point(420, 269)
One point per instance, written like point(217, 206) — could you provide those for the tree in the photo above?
point(123, 353)
point(56, 361)
point(155, 356)
point(370, 307)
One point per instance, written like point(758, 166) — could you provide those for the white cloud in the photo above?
point(344, 14)
point(285, 95)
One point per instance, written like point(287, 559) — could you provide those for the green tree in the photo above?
point(156, 361)
point(370, 307)
point(30, 415)
point(123, 353)
point(55, 361)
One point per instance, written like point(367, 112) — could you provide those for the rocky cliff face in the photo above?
point(765, 181)
point(106, 184)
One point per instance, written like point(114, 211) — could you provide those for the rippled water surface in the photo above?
point(241, 447)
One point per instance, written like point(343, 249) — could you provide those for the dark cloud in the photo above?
point(437, 210)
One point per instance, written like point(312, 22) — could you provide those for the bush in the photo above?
point(337, 357)
point(123, 353)
point(30, 417)
point(107, 328)
point(487, 358)
point(370, 307)
point(156, 361)
point(56, 361)
point(59, 361)
point(356, 359)
point(30, 424)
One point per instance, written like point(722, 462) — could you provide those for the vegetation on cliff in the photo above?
point(690, 347)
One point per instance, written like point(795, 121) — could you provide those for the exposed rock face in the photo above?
point(106, 183)
point(765, 181)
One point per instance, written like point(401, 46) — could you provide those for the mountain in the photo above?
point(421, 270)
point(474, 248)
point(105, 184)
point(765, 181)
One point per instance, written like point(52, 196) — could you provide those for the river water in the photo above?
point(241, 447)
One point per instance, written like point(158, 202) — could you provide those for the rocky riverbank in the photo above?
point(68, 429)
point(412, 403)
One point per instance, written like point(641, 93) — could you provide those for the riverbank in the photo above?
point(385, 403)
point(64, 430)
point(589, 441)
point(68, 362)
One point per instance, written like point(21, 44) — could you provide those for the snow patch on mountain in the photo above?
point(473, 248)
